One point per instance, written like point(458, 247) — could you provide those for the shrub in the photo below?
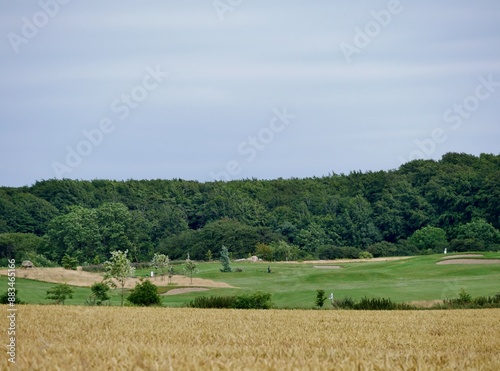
point(4, 298)
point(144, 294)
point(68, 262)
point(99, 292)
point(320, 298)
point(365, 255)
point(371, 304)
point(212, 302)
point(60, 293)
point(257, 300)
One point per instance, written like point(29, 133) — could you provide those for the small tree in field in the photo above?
point(144, 294)
point(99, 292)
point(224, 259)
point(118, 268)
point(69, 262)
point(60, 293)
point(161, 262)
point(190, 268)
point(320, 298)
point(209, 255)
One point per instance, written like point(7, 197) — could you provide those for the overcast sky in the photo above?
point(230, 89)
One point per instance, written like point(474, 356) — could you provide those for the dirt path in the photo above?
point(86, 279)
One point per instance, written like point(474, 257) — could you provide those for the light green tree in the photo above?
point(118, 268)
point(190, 267)
point(60, 293)
point(161, 262)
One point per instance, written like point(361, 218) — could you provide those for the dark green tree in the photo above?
point(224, 260)
point(144, 294)
point(100, 292)
point(320, 298)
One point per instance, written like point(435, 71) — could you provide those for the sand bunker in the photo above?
point(185, 290)
point(328, 266)
point(469, 261)
point(86, 279)
point(462, 256)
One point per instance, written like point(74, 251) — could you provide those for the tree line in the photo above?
point(423, 206)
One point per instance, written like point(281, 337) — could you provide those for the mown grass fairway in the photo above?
point(93, 338)
point(294, 285)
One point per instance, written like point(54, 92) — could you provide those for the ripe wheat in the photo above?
point(108, 338)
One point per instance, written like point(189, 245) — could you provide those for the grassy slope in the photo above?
point(295, 285)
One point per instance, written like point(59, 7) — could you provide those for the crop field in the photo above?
point(128, 338)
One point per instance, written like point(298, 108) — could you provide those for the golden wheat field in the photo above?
point(109, 338)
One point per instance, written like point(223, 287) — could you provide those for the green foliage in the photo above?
point(256, 300)
point(4, 298)
point(99, 293)
point(429, 238)
point(365, 255)
point(224, 260)
point(190, 268)
point(19, 245)
point(320, 298)
point(385, 213)
point(480, 231)
point(118, 268)
point(212, 302)
point(68, 262)
point(209, 255)
point(60, 293)
point(465, 301)
point(144, 294)
point(161, 262)
point(264, 251)
point(366, 303)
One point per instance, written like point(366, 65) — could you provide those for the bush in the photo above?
point(99, 293)
point(257, 300)
point(212, 302)
point(365, 255)
point(144, 294)
point(4, 298)
point(40, 260)
point(371, 304)
point(60, 293)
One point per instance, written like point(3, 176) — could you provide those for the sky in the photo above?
point(235, 89)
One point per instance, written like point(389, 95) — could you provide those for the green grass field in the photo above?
point(295, 285)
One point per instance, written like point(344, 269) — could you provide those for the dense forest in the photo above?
point(420, 208)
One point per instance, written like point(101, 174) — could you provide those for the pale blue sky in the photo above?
point(418, 88)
